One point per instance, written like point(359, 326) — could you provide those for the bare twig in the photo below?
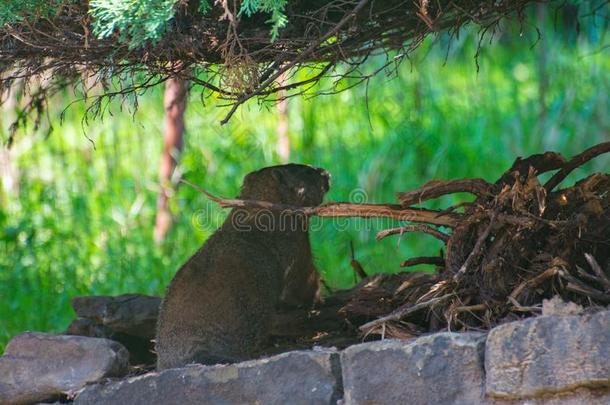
point(453, 208)
point(438, 188)
point(476, 250)
point(579, 287)
point(517, 307)
point(586, 276)
point(575, 162)
point(358, 270)
point(534, 282)
point(413, 228)
point(434, 260)
point(404, 311)
point(341, 209)
point(541, 163)
point(597, 269)
point(471, 308)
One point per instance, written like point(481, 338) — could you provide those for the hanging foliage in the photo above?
point(236, 49)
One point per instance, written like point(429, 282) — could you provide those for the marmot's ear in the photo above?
point(248, 185)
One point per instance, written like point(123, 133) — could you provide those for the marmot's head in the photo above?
point(290, 184)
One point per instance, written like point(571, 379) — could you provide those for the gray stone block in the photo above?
point(301, 377)
point(548, 354)
point(133, 314)
point(444, 368)
point(38, 367)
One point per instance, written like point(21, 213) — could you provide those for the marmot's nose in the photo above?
point(326, 176)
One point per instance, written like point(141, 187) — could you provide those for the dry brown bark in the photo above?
point(174, 102)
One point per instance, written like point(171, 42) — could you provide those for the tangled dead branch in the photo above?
point(519, 243)
point(232, 57)
point(342, 209)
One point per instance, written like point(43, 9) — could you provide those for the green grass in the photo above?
point(82, 220)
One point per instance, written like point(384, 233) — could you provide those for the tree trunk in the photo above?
point(175, 104)
point(283, 141)
point(9, 171)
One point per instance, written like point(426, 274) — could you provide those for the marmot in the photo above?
point(218, 307)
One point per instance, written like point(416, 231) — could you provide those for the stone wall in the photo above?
point(552, 359)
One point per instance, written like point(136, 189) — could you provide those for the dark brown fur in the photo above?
point(219, 305)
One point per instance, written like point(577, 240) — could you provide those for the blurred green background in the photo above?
point(77, 211)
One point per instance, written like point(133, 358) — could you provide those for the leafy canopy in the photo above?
point(275, 7)
point(135, 21)
point(17, 10)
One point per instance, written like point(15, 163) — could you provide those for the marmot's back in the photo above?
point(219, 305)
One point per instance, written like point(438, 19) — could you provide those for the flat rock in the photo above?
point(40, 367)
point(141, 350)
point(88, 327)
point(444, 368)
point(132, 314)
point(548, 354)
point(300, 377)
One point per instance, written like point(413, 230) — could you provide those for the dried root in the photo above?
point(519, 243)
